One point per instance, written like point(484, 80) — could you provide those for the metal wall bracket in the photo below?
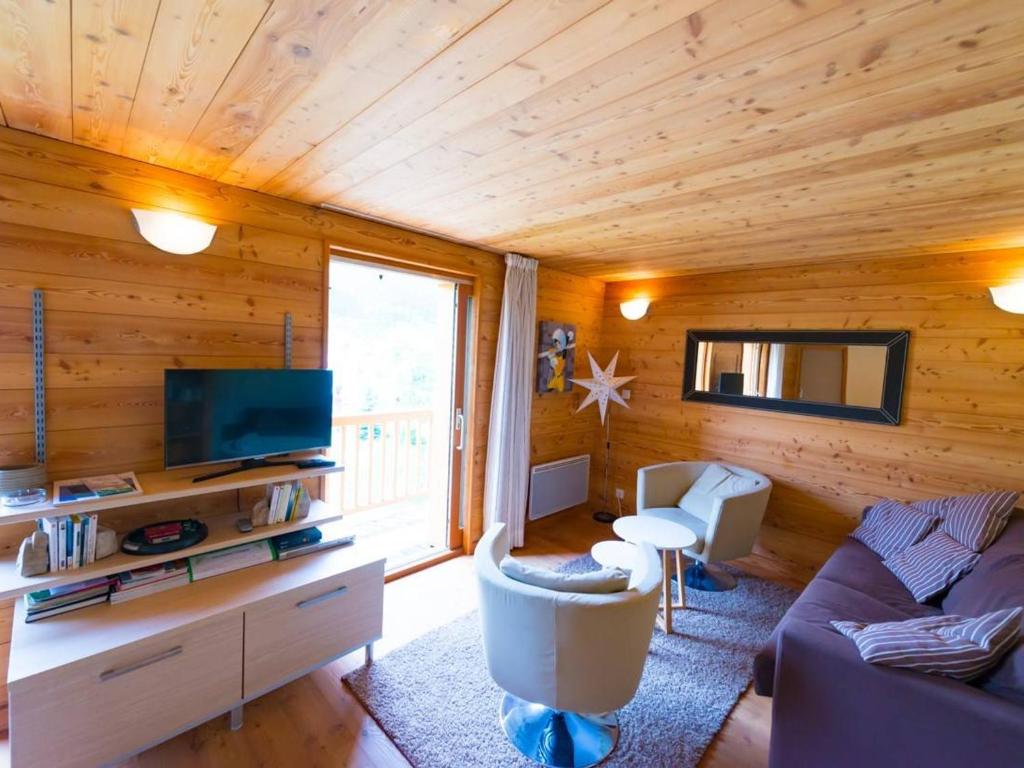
point(39, 382)
point(287, 339)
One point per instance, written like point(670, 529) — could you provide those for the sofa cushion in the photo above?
point(952, 646)
point(974, 520)
point(699, 499)
point(855, 566)
point(676, 515)
point(893, 527)
point(853, 584)
point(996, 582)
point(932, 566)
point(602, 582)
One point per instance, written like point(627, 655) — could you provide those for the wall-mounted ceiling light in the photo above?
point(1009, 297)
point(635, 308)
point(173, 232)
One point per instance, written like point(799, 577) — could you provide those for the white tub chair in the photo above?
point(726, 522)
point(565, 660)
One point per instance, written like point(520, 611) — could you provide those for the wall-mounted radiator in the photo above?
point(558, 485)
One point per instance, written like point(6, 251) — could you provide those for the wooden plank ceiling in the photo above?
point(612, 138)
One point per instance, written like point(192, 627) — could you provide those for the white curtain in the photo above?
point(508, 440)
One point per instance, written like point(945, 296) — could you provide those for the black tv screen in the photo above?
point(227, 415)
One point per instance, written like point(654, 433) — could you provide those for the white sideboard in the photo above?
point(97, 685)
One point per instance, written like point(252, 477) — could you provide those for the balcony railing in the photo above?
point(386, 457)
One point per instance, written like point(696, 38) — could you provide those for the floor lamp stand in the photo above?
point(603, 515)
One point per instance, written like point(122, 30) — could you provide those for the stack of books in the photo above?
point(69, 597)
point(286, 502)
point(306, 541)
point(140, 582)
point(72, 540)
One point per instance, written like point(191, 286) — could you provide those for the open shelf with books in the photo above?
point(169, 486)
point(222, 533)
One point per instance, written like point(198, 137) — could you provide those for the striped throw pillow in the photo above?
point(975, 520)
point(892, 527)
point(932, 566)
point(952, 646)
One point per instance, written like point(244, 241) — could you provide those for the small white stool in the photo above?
point(614, 554)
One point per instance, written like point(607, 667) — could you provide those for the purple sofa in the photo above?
point(831, 708)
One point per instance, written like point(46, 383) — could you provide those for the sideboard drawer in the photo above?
point(289, 633)
point(95, 710)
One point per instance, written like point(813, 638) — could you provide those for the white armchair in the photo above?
point(726, 520)
point(566, 660)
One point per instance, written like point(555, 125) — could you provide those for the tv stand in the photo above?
point(248, 464)
point(244, 466)
point(119, 678)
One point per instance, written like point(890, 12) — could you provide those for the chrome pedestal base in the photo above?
point(558, 739)
point(699, 576)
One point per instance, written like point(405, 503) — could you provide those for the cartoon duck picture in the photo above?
point(561, 342)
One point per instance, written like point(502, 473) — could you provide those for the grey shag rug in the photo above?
point(435, 700)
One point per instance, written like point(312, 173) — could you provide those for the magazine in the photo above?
point(90, 488)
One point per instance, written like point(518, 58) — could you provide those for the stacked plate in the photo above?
point(24, 484)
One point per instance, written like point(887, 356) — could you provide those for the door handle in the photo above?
point(110, 674)
point(460, 425)
point(321, 598)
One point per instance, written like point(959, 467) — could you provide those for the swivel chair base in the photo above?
point(699, 576)
point(558, 739)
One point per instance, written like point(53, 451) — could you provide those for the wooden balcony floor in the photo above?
point(402, 532)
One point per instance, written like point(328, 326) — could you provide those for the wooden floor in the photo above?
point(316, 722)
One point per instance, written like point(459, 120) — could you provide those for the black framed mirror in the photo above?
point(855, 375)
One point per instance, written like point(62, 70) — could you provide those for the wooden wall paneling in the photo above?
point(68, 167)
point(962, 418)
point(515, 27)
point(655, 143)
point(109, 41)
point(35, 66)
point(399, 39)
point(601, 29)
point(607, 98)
point(293, 44)
point(193, 47)
point(120, 312)
point(556, 430)
point(616, 139)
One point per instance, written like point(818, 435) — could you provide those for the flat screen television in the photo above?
point(212, 416)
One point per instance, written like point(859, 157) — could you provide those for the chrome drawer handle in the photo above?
point(110, 674)
point(320, 598)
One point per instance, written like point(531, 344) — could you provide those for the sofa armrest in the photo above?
point(830, 707)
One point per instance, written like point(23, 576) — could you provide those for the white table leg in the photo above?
point(369, 654)
point(680, 580)
point(237, 717)
point(666, 592)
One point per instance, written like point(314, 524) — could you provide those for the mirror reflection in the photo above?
point(840, 374)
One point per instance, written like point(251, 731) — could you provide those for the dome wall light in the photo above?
point(173, 232)
point(634, 309)
point(1009, 298)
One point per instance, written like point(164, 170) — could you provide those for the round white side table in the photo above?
point(614, 554)
point(667, 537)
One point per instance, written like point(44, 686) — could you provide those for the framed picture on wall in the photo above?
point(556, 356)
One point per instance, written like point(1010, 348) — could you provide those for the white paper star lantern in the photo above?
point(602, 387)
